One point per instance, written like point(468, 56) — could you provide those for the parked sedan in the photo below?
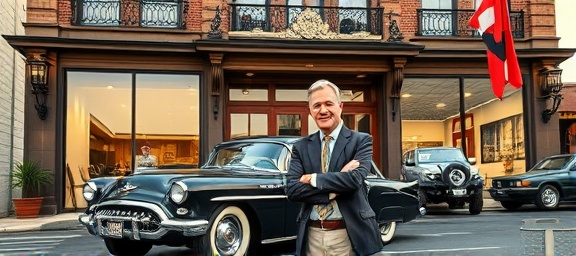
point(551, 181)
point(229, 206)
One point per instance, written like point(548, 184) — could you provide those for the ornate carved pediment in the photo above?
point(309, 25)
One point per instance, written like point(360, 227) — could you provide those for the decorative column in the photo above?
point(217, 81)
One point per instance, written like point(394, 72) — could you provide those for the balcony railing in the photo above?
point(130, 13)
point(279, 18)
point(434, 22)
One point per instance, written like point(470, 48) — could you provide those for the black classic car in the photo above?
point(549, 182)
point(444, 175)
point(229, 206)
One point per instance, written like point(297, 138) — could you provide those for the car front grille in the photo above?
point(146, 219)
point(503, 184)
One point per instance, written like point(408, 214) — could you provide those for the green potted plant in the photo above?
point(30, 177)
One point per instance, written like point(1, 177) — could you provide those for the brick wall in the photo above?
point(11, 107)
point(409, 21)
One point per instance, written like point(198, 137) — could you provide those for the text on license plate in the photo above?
point(114, 228)
point(459, 192)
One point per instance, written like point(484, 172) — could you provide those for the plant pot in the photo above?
point(27, 207)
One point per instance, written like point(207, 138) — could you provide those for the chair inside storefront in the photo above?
point(73, 185)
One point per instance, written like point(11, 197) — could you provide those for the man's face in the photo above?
point(145, 150)
point(325, 109)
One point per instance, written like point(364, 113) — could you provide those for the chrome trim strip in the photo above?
point(279, 239)
point(235, 198)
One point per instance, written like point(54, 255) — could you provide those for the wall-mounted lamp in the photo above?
point(551, 86)
point(37, 71)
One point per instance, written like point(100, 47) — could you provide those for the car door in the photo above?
point(570, 186)
point(409, 166)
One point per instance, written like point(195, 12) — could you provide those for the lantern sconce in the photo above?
point(551, 86)
point(37, 71)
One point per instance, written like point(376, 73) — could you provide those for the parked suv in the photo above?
point(444, 175)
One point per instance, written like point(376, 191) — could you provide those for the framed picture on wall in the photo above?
point(502, 139)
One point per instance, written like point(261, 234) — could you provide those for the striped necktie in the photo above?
point(325, 210)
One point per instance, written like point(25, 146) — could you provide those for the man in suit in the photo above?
point(327, 174)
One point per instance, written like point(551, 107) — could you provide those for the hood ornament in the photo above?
point(127, 187)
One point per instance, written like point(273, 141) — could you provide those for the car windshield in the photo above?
point(553, 163)
point(440, 155)
point(253, 154)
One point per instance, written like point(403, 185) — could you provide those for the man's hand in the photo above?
point(349, 166)
point(306, 178)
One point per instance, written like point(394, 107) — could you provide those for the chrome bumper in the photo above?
point(187, 228)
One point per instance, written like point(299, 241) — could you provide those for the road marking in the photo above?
point(445, 234)
point(33, 242)
point(27, 251)
point(443, 250)
point(38, 237)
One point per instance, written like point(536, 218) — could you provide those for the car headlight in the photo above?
point(178, 192)
point(523, 183)
point(89, 191)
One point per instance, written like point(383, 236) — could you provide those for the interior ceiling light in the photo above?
point(467, 94)
point(440, 105)
point(249, 74)
point(361, 76)
point(406, 95)
point(110, 87)
point(309, 65)
point(245, 91)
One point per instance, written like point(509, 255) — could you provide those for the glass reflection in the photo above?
point(167, 132)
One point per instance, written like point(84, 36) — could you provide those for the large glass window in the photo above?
point(101, 110)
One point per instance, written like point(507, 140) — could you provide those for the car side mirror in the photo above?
point(410, 163)
point(472, 160)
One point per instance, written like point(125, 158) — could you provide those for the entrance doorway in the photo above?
point(281, 109)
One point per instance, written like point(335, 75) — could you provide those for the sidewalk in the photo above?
point(67, 221)
point(64, 221)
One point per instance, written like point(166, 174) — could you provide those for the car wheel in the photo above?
point(511, 205)
point(228, 234)
point(476, 203)
point(387, 231)
point(547, 198)
point(455, 175)
point(126, 247)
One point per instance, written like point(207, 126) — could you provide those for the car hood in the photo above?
point(527, 175)
point(153, 186)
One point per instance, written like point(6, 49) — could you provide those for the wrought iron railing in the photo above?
point(133, 13)
point(435, 22)
point(279, 18)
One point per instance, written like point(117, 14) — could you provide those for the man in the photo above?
point(146, 159)
point(336, 218)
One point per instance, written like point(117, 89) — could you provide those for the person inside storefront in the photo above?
point(146, 159)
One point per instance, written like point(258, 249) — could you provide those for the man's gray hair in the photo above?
point(320, 84)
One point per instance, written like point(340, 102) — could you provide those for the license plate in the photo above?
point(459, 192)
point(114, 229)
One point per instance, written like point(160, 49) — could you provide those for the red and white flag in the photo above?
point(493, 21)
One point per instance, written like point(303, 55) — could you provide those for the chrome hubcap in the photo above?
point(549, 198)
point(385, 229)
point(228, 235)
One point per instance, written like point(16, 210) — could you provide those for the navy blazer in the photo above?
point(352, 198)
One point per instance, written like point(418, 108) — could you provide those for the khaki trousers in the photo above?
point(328, 243)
